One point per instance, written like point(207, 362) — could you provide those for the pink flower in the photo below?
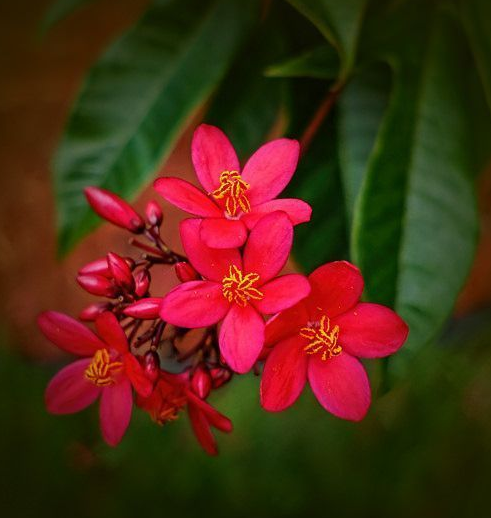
point(237, 289)
point(172, 393)
point(107, 370)
point(235, 200)
point(319, 340)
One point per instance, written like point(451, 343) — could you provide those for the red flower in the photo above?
point(237, 289)
point(234, 201)
point(172, 393)
point(319, 340)
point(107, 370)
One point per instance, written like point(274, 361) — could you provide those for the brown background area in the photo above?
point(40, 78)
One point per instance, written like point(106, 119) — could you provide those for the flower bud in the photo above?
point(142, 282)
point(219, 376)
point(90, 313)
point(201, 382)
point(185, 272)
point(145, 309)
point(151, 365)
point(154, 213)
point(120, 272)
point(98, 267)
point(114, 209)
point(97, 285)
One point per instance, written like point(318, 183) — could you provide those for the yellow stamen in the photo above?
point(232, 189)
point(322, 338)
point(239, 288)
point(101, 371)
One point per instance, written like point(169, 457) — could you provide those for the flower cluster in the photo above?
point(232, 312)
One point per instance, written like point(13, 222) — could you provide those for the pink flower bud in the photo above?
point(219, 376)
point(90, 313)
point(142, 282)
point(146, 309)
point(98, 267)
point(120, 272)
point(114, 209)
point(151, 365)
point(201, 382)
point(154, 213)
point(185, 272)
point(97, 285)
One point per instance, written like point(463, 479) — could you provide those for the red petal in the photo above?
point(286, 323)
point(212, 263)
point(223, 233)
point(187, 197)
point(98, 267)
point(202, 430)
point(115, 411)
point(97, 285)
point(341, 386)
point(146, 309)
point(114, 209)
point(270, 169)
point(371, 331)
point(336, 287)
point(268, 246)
point(120, 271)
point(282, 293)
point(185, 272)
point(136, 375)
point(284, 375)
point(213, 416)
point(69, 334)
point(241, 337)
point(70, 391)
point(194, 304)
point(111, 332)
point(298, 211)
point(212, 153)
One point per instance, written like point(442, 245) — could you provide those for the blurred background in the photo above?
point(424, 449)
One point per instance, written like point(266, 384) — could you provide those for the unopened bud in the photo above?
point(201, 382)
point(142, 282)
point(185, 272)
point(90, 313)
point(114, 209)
point(145, 309)
point(120, 272)
point(97, 285)
point(219, 376)
point(151, 365)
point(154, 213)
point(97, 267)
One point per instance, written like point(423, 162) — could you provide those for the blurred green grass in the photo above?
point(424, 450)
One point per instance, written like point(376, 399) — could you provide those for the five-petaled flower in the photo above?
point(108, 370)
point(172, 394)
point(237, 289)
point(319, 340)
point(235, 199)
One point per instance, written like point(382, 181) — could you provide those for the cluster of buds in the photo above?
point(145, 349)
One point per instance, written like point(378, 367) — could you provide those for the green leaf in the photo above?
point(319, 63)
point(415, 222)
point(58, 11)
point(339, 22)
point(247, 104)
point(361, 108)
point(476, 17)
point(137, 99)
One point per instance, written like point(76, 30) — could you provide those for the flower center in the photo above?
point(232, 189)
point(169, 409)
point(322, 338)
point(101, 371)
point(239, 288)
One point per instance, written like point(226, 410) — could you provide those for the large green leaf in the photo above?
point(415, 222)
point(361, 108)
point(60, 9)
point(138, 97)
point(476, 16)
point(340, 23)
point(247, 104)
